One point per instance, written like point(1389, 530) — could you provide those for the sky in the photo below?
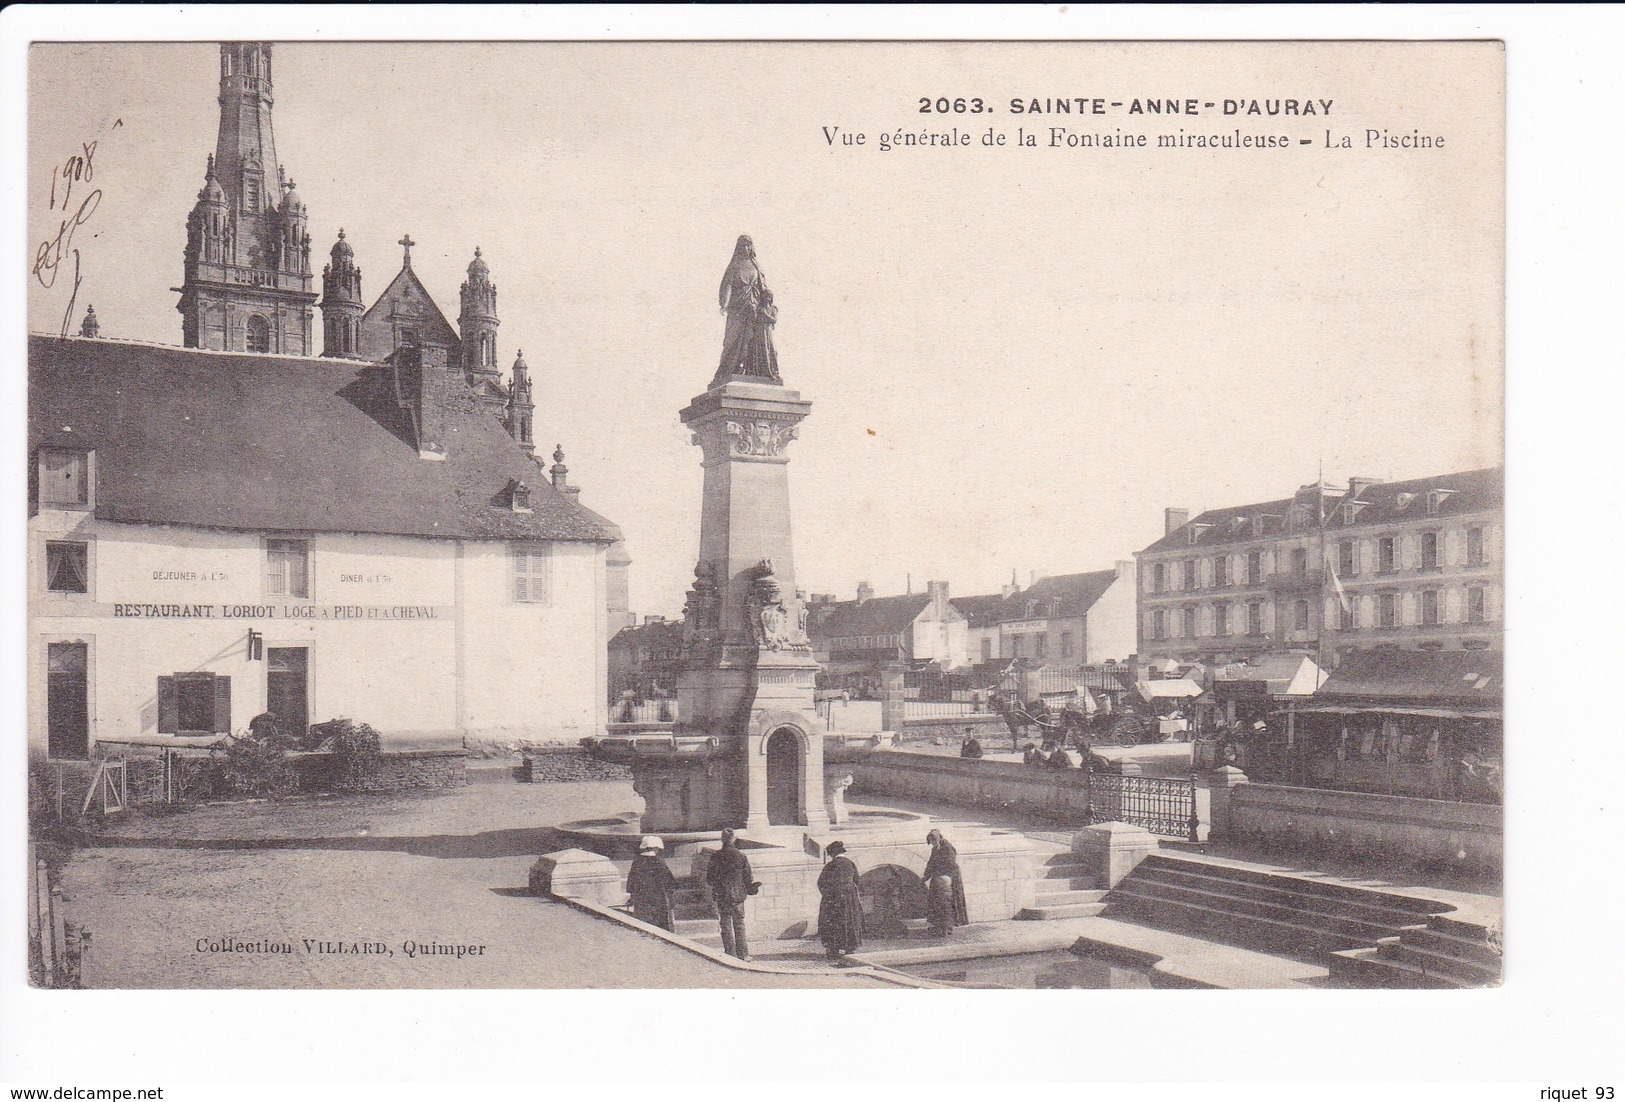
point(1016, 357)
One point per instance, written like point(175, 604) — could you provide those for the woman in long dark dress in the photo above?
point(944, 887)
point(651, 885)
point(840, 907)
point(747, 342)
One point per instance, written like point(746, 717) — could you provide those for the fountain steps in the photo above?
point(1445, 953)
point(1272, 912)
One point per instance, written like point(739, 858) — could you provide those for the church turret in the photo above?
point(521, 409)
point(341, 305)
point(477, 326)
point(248, 281)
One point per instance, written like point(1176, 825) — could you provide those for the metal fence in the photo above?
point(1162, 805)
point(643, 711)
point(942, 709)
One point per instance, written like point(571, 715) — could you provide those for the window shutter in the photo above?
point(521, 583)
point(168, 719)
point(222, 705)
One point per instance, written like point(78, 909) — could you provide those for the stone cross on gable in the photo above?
point(406, 243)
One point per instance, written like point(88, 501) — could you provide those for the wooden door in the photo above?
point(67, 703)
point(287, 688)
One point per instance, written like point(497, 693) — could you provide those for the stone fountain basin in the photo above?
point(653, 746)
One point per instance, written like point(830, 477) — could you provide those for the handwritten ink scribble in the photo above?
point(51, 256)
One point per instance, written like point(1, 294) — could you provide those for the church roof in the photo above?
point(277, 443)
point(407, 296)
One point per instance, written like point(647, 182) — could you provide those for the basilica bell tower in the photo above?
point(248, 278)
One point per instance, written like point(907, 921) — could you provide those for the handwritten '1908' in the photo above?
point(52, 253)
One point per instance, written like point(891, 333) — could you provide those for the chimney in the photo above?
point(651, 618)
point(1174, 519)
point(561, 474)
point(1012, 589)
point(866, 592)
point(1032, 578)
point(1358, 486)
point(939, 598)
point(419, 376)
point(1125, 568)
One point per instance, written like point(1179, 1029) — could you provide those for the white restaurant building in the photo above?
point(216, 534)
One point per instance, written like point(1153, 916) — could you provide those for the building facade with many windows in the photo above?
point(1416, 564)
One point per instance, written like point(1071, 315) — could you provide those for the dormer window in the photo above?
point(1194, 532)
point(1437, 498)
point(1258, 525)
point(1404, 500)
point(1351, 509)
point(518, 496)
point(1236, 524)
point(64, 478)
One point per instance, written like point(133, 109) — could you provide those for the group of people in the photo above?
point(652, 888)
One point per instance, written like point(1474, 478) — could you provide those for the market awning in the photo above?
point(1174, 688)
point(1432, 713)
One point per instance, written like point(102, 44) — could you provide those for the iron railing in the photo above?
point(1162, 805)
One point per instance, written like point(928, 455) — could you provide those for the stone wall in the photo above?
point(396, 771)
point(1362, 824)
point(973, 783)
point(572, 763)
point(951, 730)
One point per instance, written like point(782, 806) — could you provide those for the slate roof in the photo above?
point(1417, 677)
point(876, 616)
point(275, 443)
point(1059, 597)
point(1380, 503)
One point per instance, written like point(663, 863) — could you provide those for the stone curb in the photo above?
point(879, 974)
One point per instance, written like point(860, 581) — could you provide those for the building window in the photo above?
point(1345, 559)
point(1189, 616)
point(987, 650)
point(1255, 618)
point(64, 477)
point(1300, 563)
point(1221, 620)
point(1159, 625)
point(1345, 615)
point(1039, 647)
point(1221, 570)
point(67, 567)
point(1387, 610)
point(1475, 547)
point(1430, 549)
point(532, 574)
point(1255, 567)
point(287, 568)
point(259, 334)
point(1475, 605)
point(1300, 616)
point(1430, 606)
point(1385, 555)
point(1159, 578)
point(67, 700)
point(1066, 644)
point(194, 704)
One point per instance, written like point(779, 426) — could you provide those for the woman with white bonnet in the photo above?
point(651, 884)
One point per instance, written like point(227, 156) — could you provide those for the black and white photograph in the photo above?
point(927, 518)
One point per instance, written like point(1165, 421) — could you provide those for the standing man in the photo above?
point(728, 876)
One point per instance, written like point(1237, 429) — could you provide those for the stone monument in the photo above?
point(748, 750)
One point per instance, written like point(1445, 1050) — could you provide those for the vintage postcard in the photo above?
point(855, 516)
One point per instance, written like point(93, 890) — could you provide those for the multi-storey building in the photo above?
point(1415, 564)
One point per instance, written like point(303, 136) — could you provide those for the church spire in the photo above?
point(248, 279)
